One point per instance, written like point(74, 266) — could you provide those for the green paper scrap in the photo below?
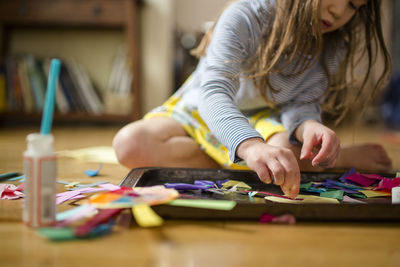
point(57, 234)
point(238, 184)
point(397, 174)
point(337, 194)
point(359, 195)
point(204, 203)
point(305, 186)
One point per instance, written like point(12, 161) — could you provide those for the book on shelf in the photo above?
point(24, 85)
point(3, 89)
point(23, 77)
point(118, 97)
point(37, 82)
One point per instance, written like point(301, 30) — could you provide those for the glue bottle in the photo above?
point(40, 181)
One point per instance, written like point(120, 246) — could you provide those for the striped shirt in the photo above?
point(221, 96)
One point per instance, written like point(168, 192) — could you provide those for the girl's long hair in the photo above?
point(296, 31)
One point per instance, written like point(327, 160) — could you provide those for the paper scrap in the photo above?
point(57, 234)
point(100, 217)
point(99, 154)
point(65, 196)
point(204, 203)
point(93, 173)
point(72, 185)
point(104, 198)
point(10, 191)
point(305, 186)
point(110, 187)
point(348, 199)
point(364, 180)
point(238, 184)
point(337, 194)
point(284, 219)
point(75, 214)
point(305, 199)
point(145, 216)
point(371, 193)
point(387, 184)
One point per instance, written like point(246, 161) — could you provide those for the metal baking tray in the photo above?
point(376, 209)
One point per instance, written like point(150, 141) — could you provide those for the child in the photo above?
point(266, 71)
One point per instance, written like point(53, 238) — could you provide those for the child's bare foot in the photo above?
point(364, 157)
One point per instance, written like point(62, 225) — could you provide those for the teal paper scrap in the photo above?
point(337, 194)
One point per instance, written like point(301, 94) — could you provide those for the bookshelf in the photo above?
point(76, 14)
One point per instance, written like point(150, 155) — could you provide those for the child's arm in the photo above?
point(320, 144)
point(267, 161)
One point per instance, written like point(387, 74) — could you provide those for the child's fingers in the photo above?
point(291, 184)
point(306, 149)
point(263, 173)
point(277, 170)
point(328, 152)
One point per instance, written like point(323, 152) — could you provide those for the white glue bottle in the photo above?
point(40, 168)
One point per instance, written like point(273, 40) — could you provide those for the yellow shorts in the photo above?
point(263, 121)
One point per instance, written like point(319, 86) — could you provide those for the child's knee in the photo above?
point(128, 143)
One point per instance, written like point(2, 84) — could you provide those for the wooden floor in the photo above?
point(190, 243)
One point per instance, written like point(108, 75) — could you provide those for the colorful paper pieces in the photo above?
point(284, 219)
point(349, 172)
point(68, 195)
point(10, 191)
point(93, 173)
point(145, 216)
point(128, 197)
point(68, 233)
point(305, 199)
point(204, 203)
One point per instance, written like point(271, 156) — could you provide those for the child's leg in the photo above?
point(363, 157)
point(159, 141)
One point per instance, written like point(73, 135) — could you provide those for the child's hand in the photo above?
point(271, 162)
point(320, 144)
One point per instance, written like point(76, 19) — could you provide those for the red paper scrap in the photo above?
point(387, 184)
point(102, 216)
point(285, 219)
point(364, 180)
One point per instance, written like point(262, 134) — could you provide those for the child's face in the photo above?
point(336, 13)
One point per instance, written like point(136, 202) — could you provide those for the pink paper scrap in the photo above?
point(65, 196)
point(348, 199)
point(75, 214)
point(110, 187)
point(10, 191)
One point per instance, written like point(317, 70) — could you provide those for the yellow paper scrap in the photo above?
point(72, 185)
point(371, 193)
point(238, 184)
point(98, 154)
point(306, 199)
point(145, 216)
